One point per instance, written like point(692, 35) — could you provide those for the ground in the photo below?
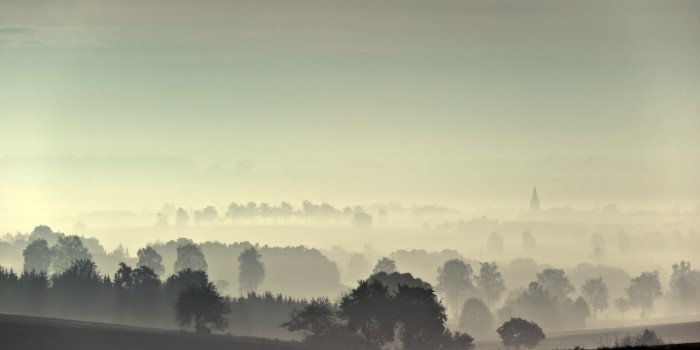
point(28, 333)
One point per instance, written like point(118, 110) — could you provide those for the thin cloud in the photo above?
point(31, 36)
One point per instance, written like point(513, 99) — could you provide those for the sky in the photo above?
point(438, 101)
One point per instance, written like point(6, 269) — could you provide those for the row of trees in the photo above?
point(39, 257)
point(266, 213)
point(389, 308)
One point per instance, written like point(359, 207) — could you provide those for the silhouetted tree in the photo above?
point(37, 256)
point(454, 281)
point(202, 305)
point(490, 282)
point(149, 257)
point(67, 250)
point(385, 265)
point(369, 310)
point(395, 279)
point(519, 332)
point(421, 316)
point(555, 282)
point(456, 341)
point(643, 290)
point(316, 319)
point(183, 278)
point(578, 311)
point(622, 305)
point(251, 271)
point(535, 303)
point(190, 256)
point(596, 292)
point(684, 284)
point(475, 317)
point(43, 232)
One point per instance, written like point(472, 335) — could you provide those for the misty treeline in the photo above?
point(252, 213)
point(65, 276)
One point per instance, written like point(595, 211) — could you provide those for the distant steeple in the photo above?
point(534, 201)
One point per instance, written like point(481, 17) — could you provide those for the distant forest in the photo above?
point(164, 285)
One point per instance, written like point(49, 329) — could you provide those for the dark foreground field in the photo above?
point(684, 335)
point(29, 333)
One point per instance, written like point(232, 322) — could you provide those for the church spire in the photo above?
point(534, 201)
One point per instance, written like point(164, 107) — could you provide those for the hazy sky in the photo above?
point(330, 97)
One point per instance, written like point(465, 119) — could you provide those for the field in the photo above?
point(27, 333)
point(21, 332)
point(675, 333)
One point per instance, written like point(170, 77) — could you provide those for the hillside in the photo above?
point(27, 333)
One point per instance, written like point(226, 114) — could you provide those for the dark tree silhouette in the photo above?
point(189, 256)
point(490, 283)
point(177, 282)
point(596, 292)
point(369, 310)
point(385, 265)
point(37, 256)
point(251, 271)
point(393, 280)
point(456, 341)
point(578, 312)
point(555, 282)
point(67, 250)
point(454, 281)
point(519, 332)
point(622, 305)
point(475, 317)
point(643, 290)
point(202, 305)
point(421, 316)
point(149, 257)
point(317, 318)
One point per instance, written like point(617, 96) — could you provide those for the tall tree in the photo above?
point(454, 281)
point(421, 316)
point(43, 232)
point(643, 290)
point(149, 257)
point(519, 332)
point(555, 282)
point(475, 317)
point(317, 318)
point(684, 284)
point(251, 271)
point(202, 305)
point(490, 282)
point(37, 256)
point(67, 250)
point(190, 256)
point(596, 292)
point(369, 310)
point(622, 305)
